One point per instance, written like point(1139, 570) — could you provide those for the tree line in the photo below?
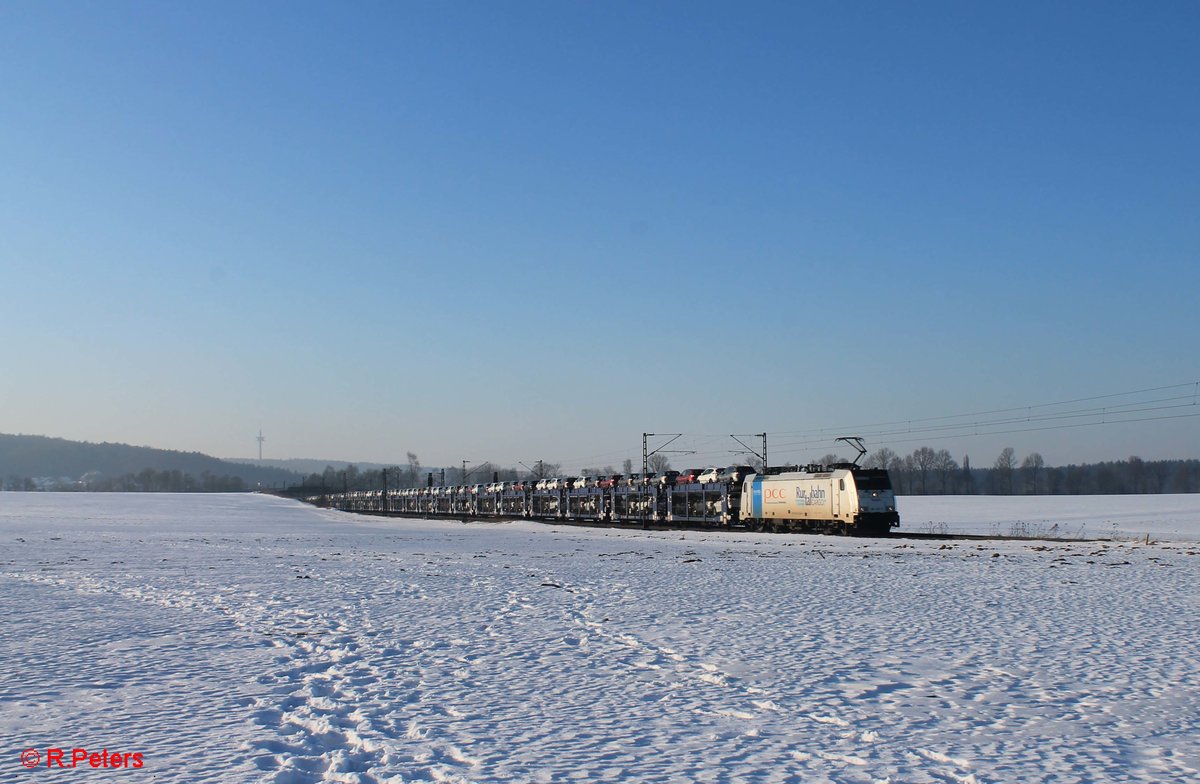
point(935, 472)
point(925, 471)
point(148, 480)
point(412, 474)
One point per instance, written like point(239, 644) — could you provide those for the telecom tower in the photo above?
point(260, 439)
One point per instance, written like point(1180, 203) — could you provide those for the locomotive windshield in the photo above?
point(872, 479)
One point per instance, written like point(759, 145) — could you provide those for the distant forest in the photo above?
point(935, 472)
point(923, 472)
point(145, 481)
point(41, 463)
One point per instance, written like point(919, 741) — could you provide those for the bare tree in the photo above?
point(412, 473)
point(880, 458)
point(896, 473)
point(968, 479)
point(627, 467)
point(924, 459)
point(1031, 465)
point(658, 463)
point(946, 466)
point(1003, 470)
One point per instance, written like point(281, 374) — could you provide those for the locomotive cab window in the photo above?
point(873, 481)
point(841, 484)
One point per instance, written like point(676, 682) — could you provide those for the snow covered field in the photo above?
point(1173, 517)
point(247, 638)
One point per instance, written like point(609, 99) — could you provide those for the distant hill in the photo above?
point(40, 456)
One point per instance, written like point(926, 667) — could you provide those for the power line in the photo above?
point(986, 426)
point(998, 421)
point(1195, 385)
point(1051, 427)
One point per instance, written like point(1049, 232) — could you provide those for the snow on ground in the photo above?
point(247, 638)
point(1173, 517)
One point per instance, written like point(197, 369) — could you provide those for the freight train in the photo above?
point(843, 498)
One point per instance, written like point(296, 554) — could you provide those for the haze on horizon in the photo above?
point(536, 230)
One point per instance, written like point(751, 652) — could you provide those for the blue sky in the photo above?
point(521, 231)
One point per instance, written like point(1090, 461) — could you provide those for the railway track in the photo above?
point(656, 526)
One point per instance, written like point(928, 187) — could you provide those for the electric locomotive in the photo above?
point(843, 499)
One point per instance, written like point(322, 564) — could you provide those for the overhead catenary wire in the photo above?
point(715, 448)
point(987, 426)
point(989, 423)
point(1194, 396)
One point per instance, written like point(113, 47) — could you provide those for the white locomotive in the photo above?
point(841, 499)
